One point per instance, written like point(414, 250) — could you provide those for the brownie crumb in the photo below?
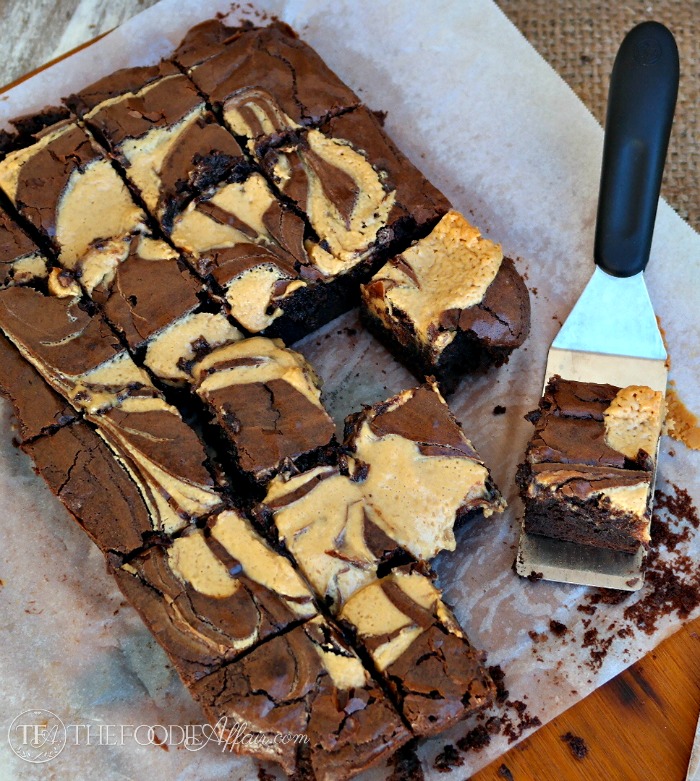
point(448, 759)
point(535, 576)
point(504, 772)
point(537, 637)
point(599, 647)
point(576, 745)
point(498, 677)
point(499, 410)
point(475, 740)
point(557, 628)
point(406, 765)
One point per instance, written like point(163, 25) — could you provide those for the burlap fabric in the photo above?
point(580, 40)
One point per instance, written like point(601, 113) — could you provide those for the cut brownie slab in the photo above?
point(589, 466)
point(267, 400)
point(311, 687)
point(449, 304)
point(321, 517)
point(20, 259)
point(424, 476)
point(419, 649)
point(37, 408)
point(214, 593)
point(159, 129)
point(266, 74)
point(67, 188)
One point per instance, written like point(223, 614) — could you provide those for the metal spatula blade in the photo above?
point(612, 335)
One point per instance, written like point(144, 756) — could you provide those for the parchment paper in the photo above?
point(493, 126)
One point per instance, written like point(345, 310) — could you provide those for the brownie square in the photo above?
point(307, 682)
point(443, 328)
point(321, 517)
point(418, 648)
point(267, 401)
point(212, 594)
point(37, 408)
point(21, 260)
point(589, 466)
point(423, 476)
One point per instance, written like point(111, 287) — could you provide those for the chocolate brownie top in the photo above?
point(415, 641)
point(307, 681)
point(423, 473)
point(213, 594)
point(588, 423)
point(98, 491)
point(117, 84)
point(417, 288)
point(21, 261)
point(36, 407)
point(170, 145)
point(147, 291)
point(321, 517)
point(268, 400)
point(167, 458)
point(270, 60)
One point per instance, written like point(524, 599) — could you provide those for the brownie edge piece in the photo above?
point(449, 304)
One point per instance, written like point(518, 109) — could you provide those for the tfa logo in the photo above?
point(37, 735)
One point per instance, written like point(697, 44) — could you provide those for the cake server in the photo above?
point(612, 335)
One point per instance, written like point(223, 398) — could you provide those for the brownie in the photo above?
point(169, 145)
point(307, 682)
point(418, 648)
point(148, 291)
point(321, 517)
point(588, 468)
point(440, 328)
point(69, 191)
point(267, 401)
point(21, 260)
point(211, 594)
point(423, 474)
point(266, 74)
point(99, 493)
point(358, 191)
point(37, 408)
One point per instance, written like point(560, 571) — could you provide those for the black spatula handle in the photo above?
point(641, 102)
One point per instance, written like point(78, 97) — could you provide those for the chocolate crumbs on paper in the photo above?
point(448, 759)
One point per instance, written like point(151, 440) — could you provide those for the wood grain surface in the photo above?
point(639, 726)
